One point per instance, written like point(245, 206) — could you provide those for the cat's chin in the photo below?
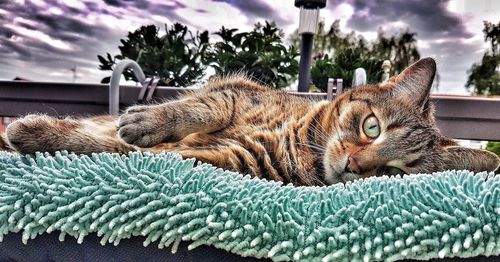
point(332, 177)
point(334, 170)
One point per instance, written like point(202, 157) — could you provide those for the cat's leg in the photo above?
point(220, 157)
point(147, 126)
point(229, 157)
point(48, 134)
point(4, 146)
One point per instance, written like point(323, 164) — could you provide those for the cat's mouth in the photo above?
point(350, 175)
point(392, 171)
point(339, 171)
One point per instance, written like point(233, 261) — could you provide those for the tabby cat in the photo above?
point(239, 125)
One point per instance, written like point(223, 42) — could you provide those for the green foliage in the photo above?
point(180, 57)
point(493, 147)
point(259, 53)
point(485, 76)
point(400, 49)
point(492, 34)
point(342, 65)
point(327, 40)
point(175, 57)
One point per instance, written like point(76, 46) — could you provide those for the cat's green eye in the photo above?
point(371, 128)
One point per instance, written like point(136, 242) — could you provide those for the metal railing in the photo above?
point(20, 98)
point(461, 117)
point(114, 83)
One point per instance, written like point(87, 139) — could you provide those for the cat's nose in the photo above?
point(352, 165)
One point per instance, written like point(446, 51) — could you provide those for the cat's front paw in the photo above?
point(34, 133)
point(146, 126)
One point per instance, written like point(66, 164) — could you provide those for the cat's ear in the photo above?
point(477, 160)
point(414, 83)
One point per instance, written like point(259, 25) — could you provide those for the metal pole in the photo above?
point(308, 25)
point(306, 45)
point(114, 83)
point(329, 89)
point(340, 85)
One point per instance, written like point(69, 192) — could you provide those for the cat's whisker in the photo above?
point(317, 147)
point(319, 132)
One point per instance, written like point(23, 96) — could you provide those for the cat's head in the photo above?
point(389, 128)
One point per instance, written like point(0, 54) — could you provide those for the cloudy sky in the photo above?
point(42, 39)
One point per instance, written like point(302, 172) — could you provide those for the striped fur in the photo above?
point(239, 125)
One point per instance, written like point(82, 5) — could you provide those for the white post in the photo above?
point(386, 67)
point(359, 77)
point(340, 84)
point(329, 90)
point(308, 23)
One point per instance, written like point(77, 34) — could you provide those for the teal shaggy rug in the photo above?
point(168, 200)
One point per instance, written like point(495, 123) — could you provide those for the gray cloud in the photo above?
point(429, 20)
point(432, 21)
point(118, 3)
point(86, 39)
point(38, 56)
point(258, 9)
point(453, 59)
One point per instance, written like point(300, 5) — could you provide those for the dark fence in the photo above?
point(461, 117)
